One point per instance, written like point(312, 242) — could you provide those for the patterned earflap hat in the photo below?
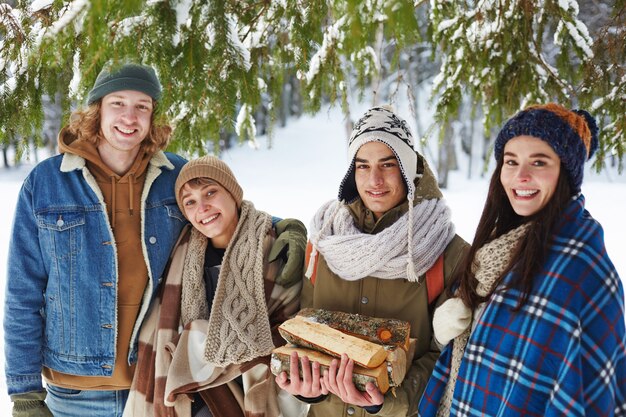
point(383, 125)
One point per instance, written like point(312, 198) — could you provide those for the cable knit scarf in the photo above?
point(390, 254)
point(178, 331)
point(489, 263)
point(239, 330)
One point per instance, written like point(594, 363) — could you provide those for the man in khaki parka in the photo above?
point(371, 250)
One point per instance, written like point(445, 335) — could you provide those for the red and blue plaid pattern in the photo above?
point(563, 353)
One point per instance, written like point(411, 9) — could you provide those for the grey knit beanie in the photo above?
point(127, 77)
point(212, 168)
point(383, 125)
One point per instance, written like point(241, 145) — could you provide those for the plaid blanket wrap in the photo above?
point(562, 354)
point(172, 354)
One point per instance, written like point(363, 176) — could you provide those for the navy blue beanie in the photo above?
point(135, 77)
point(565, 139)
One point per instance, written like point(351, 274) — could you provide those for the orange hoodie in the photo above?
point(122, 197)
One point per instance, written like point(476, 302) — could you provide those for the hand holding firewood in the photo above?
point(339, 379)
point(355, 357)
point(309, 385)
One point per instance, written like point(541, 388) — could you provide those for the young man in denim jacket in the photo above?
point(92, 234)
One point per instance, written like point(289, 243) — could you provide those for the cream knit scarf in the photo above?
point(489, 263)
point(239, 328)
point(390, 254)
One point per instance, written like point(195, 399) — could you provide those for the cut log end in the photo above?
point(377, 330)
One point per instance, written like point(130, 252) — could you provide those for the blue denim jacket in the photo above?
point(61, 292)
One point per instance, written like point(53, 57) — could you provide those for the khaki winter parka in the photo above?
point(399, 299)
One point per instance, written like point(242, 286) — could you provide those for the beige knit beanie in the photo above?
point(208, 167)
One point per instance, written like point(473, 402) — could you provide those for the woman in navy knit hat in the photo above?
point(536, 323)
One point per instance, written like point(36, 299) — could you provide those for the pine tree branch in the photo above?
point(564, 85)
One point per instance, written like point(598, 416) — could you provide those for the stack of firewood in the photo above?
point(380, 348)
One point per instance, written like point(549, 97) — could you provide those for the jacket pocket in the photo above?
point(54, 327)
point(61, 232)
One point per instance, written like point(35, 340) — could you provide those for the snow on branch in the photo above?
point(76, 77)
point(39, 5)
point(183, 9)
point(598, 103)
point(245, 125)
point(367, 55)
point(578, 31)
point(126, 26)
point(242, 54)
point(70, 14)
point(332, 37)
point(568, 5)
point(10, 19)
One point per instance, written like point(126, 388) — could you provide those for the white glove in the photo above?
point(450, 320)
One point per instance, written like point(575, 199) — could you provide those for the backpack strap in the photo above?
point(307, 260)
point(434, 280)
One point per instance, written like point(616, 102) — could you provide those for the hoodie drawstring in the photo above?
point(113, 203)
point(131, 190)
point(131, 196)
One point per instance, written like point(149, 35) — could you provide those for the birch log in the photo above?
point(383, 331)
point(332, 342)
point(361, 376)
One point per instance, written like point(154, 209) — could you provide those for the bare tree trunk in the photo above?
point(413, 94)
point(376, 80)
point(469, 141)
point(285, 102)
point(447, 156)
point(51, 122)
point(5, 156)
point(467, 134)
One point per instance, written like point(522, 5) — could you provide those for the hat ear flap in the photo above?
point(593, 128)
point(347, 190)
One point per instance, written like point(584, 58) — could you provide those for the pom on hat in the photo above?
point(212, 168)
point(135, 77)
point(593, 129)
point(383, 125)
point(573, 134)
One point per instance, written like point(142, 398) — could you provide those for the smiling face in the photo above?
point(125, 118)
point(530, 174)
point(378, 178)
point(211, 209)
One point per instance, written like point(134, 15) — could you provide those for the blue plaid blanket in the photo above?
point(563, 353)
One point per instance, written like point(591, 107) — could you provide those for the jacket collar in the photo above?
point(364, 218)
point(73, 162)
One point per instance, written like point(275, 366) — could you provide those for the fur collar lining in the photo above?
point(73, 162)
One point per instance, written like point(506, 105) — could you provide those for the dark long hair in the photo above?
point(498, 218)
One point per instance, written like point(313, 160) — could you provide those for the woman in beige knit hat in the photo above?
point(206, 343)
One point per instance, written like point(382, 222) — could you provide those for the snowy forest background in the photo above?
point(273, 87)
point(235, 69)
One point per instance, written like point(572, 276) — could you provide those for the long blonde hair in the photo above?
point(85, 125)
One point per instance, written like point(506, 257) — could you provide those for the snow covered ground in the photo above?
point(303, 169)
